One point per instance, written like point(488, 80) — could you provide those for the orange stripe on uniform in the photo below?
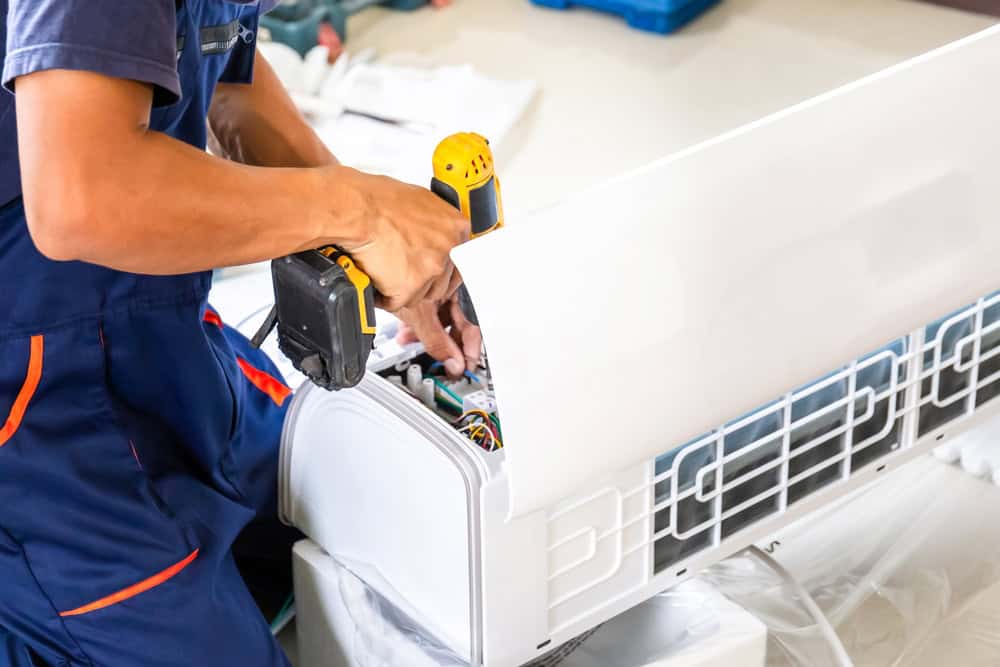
point(135, 589)
point(265, 382)
point(212, 317)
point(31, 380)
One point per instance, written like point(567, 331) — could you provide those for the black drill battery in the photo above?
point(325, 311)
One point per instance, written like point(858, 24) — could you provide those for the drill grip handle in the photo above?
point(450, 195)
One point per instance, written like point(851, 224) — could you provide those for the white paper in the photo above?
point(425, 106)
point(439, 97)
point(633, 317)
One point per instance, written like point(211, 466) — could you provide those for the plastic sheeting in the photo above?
point(907, 572)
point(384, 635)
point(691, 623)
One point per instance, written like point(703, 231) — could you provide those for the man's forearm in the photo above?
point(259, 124)
point(247, 214)
point(137, 200)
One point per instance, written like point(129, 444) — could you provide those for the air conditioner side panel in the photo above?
point(368, 487)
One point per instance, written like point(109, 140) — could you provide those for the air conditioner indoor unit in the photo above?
point(681, 362)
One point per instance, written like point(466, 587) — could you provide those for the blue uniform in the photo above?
point(138, 435)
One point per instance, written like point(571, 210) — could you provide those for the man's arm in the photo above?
point(259, 124)
point(102, 187)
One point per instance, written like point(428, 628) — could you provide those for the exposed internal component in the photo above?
point(468, 404)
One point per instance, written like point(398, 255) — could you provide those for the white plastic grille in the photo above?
point(758, 466)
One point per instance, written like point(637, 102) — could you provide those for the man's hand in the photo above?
point(404, 238)
point(426, 322)
point(409, 232)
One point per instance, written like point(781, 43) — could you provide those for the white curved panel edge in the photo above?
point(710, 282)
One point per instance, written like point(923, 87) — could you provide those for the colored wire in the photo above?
point(476, 432)
point(494, 444)
point(279, 619)
point(496, 422)
point(445, 390)
point(477, 412)
point(446, 404)
point(489, 419)
point(288, 603)
point(472, 376)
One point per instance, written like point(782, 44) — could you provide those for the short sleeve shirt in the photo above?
point(182, 48)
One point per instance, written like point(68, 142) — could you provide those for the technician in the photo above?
point(138, 434)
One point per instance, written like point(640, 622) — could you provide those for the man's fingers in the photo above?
point(457, 317)
point(439, 345)
point(453, 285)
point(471, 342)
point(427, 327)
point(468, 335)
point(472, 347)
point(407, 335)
point(397, 302)
point(390, 304)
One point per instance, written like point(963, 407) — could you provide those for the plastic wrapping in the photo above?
point(681, 622)
point(385, 635)
point(907, 571)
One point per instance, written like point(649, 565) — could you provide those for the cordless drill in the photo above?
point(464, 177)
point(324, 304)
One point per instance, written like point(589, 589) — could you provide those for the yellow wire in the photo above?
point(479, 429)
point(476, 412)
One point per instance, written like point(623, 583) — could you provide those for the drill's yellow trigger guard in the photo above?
point(361, 283)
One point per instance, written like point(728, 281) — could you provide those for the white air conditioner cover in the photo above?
point(640, 314)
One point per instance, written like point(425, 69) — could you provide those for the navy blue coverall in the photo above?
point(138, 435)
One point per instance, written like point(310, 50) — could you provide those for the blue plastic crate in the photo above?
point(354, 6)
point(662, 16)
